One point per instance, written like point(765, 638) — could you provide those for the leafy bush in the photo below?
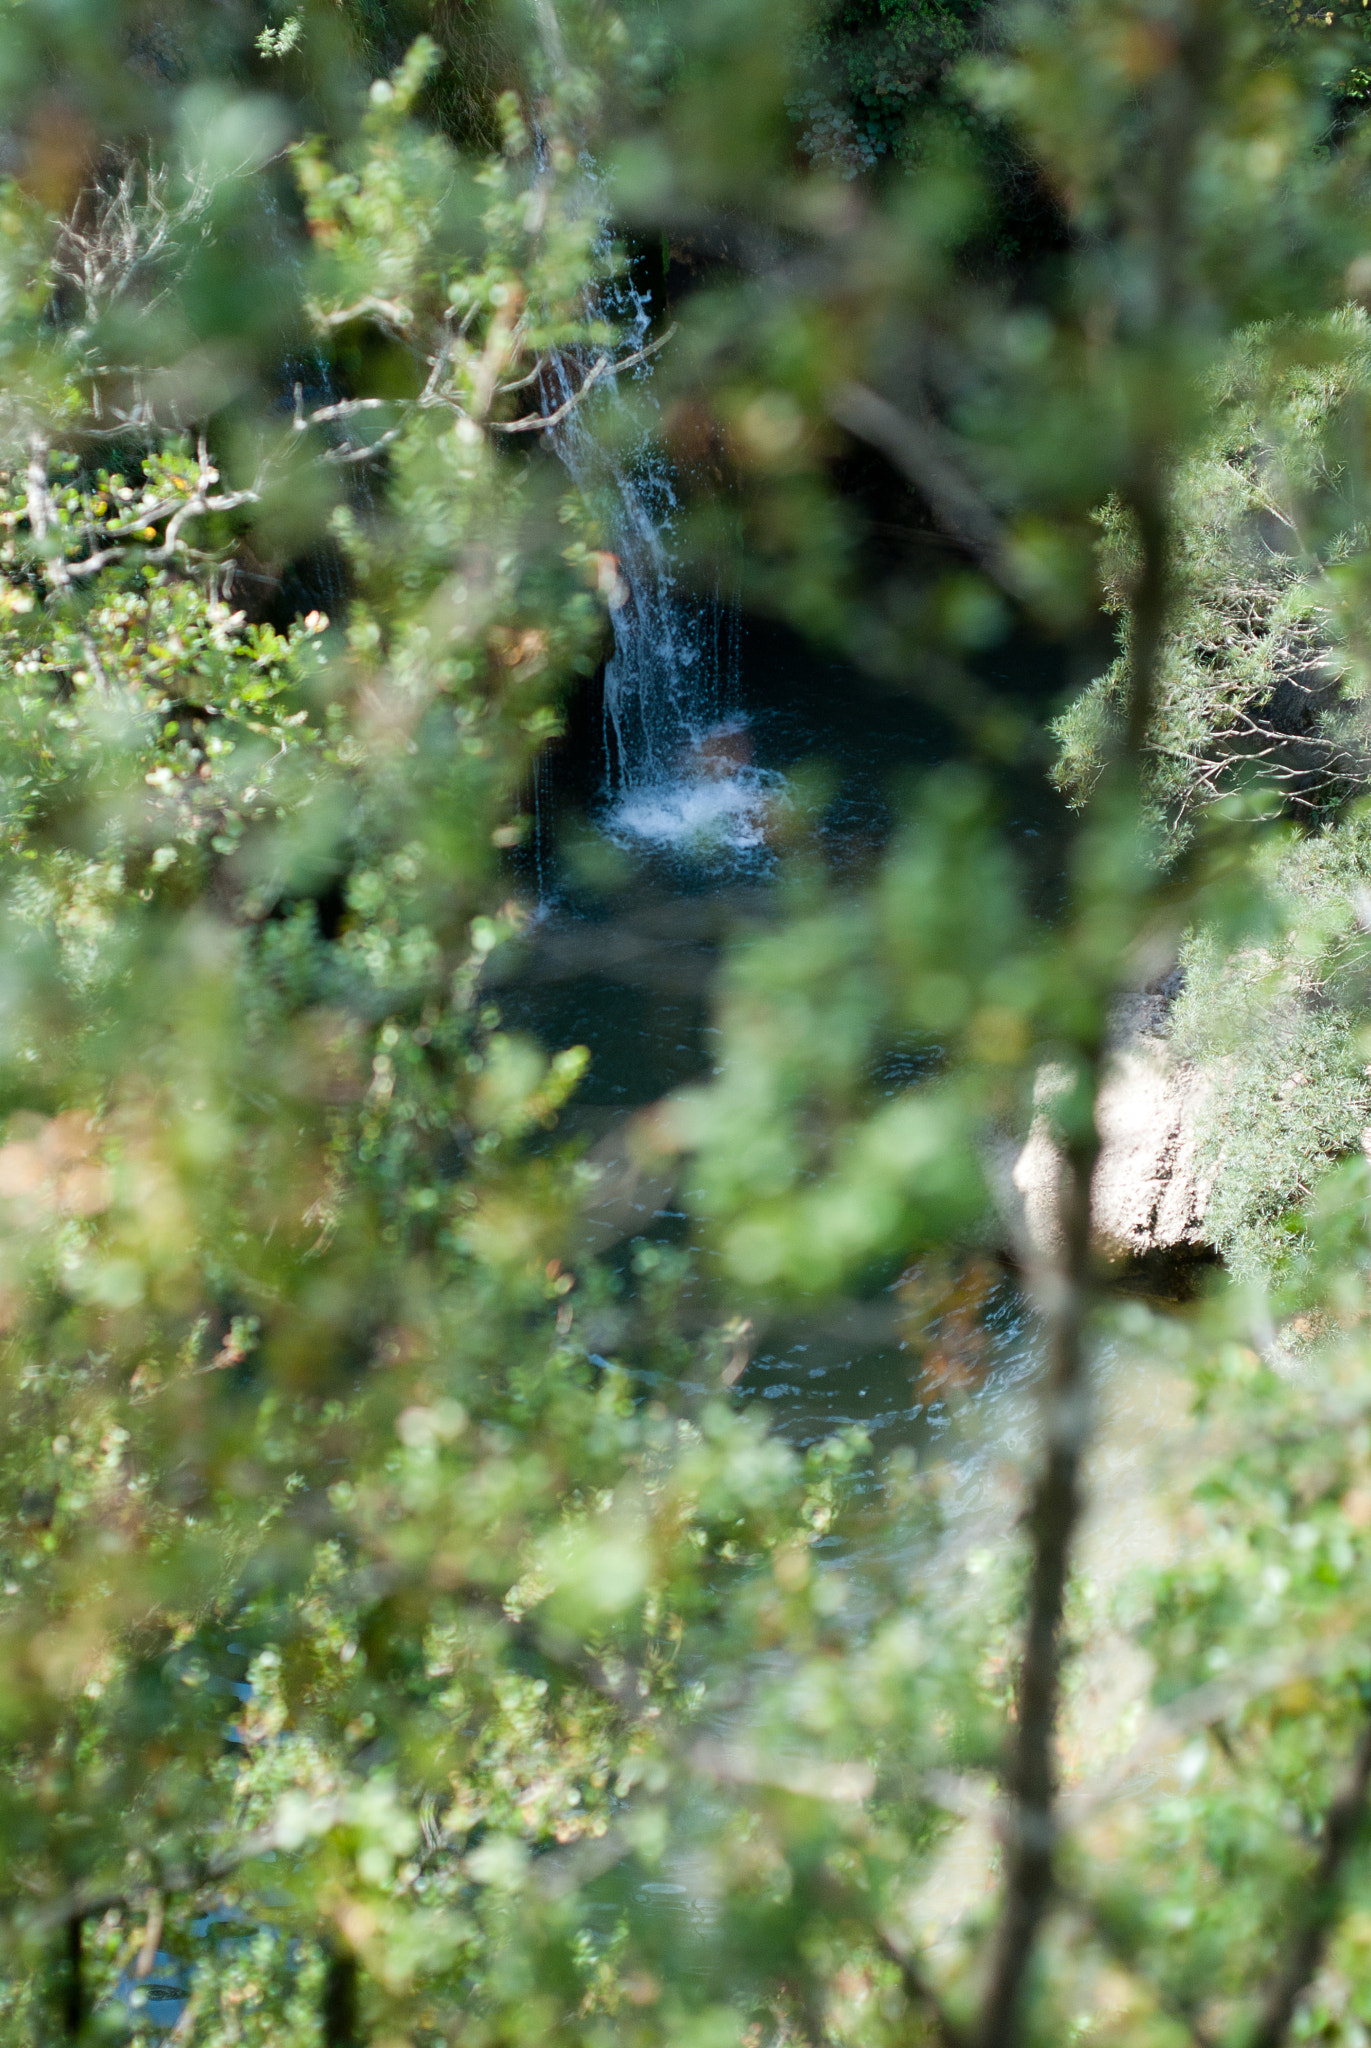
point(1259, 681)
point(1279, 1029)
point(1262, 690)
point(877, 61)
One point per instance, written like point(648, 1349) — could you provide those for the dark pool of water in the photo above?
point(622, 957)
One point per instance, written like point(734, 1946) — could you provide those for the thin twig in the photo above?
point(386, 312)
point(363, 451)
point(522, 383)
point(540, 422)
point(345, 409)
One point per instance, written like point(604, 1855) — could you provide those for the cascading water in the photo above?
point(678, 771)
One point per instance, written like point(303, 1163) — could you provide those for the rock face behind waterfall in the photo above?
point(1149, 1192)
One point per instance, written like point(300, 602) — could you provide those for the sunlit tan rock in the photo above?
point(1149, 1193)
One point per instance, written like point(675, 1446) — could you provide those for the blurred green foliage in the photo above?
point(388, 1653)
point(876, 61)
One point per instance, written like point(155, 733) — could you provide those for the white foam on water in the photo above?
point(700, 814)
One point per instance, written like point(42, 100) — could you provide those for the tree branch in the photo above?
point(537, 423)
point(1030, 1827)
point(922, 451)
point(1057, 1499)
point(433, 398)
point(338, 2016)
point(73, 1979)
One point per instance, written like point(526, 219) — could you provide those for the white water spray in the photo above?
point(678, 769)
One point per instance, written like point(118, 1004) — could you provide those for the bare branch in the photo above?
point(363, 451)
point(387, 312)
point(152, 1937)
point(540, 422)
point(119, 232)
point(438, 364)
point(345, 409)
point(1056, 1503)
point(433, 398)
point(74, 1981)
point(1030, 1824)
point(522, 383)
point(924, 453)
point(338, 2023)
point(537, 423)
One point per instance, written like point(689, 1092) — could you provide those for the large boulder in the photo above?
point(1149, 1192)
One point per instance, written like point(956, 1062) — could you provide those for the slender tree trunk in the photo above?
point(339, 2005)
point(1057, 1499)
point(73, 1979)
point(1030, 1780)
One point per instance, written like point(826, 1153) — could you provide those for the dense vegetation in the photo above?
point(408, 1629)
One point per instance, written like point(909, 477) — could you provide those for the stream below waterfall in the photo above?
point(641, 893)
point(658, 836)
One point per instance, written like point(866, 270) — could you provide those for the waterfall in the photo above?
point(678, 771)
